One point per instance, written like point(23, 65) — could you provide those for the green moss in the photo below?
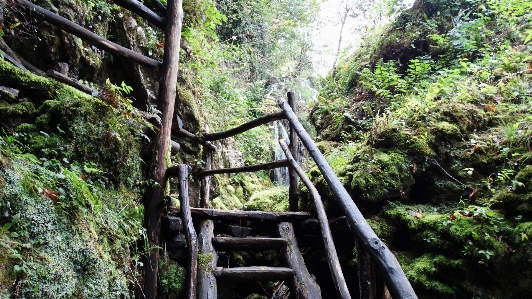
point(7, 275)
point(423, 273)
point(273, 199)
point(16, 110)
point(383, 175)
point(75, 253)
point(205, 261)
point(172, 279)
point(26, 128)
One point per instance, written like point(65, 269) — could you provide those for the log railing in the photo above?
point(369, 246)
point(384, 259)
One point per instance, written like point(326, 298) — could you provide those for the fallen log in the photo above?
point(88, 36)
point(249, 215)
point(303, 284)
point(254, 273)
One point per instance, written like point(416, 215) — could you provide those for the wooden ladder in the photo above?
point(294, 273)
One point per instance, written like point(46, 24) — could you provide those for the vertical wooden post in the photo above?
point(206, 180)
point(190, 232)
point(207, 288)
point(293, 194)
point(364, 272)
point(153, 198)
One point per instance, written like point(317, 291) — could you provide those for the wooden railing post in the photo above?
point(364, 272)
point(190, 232)
point(153, 198)
point(206, 180)
point(293, 193)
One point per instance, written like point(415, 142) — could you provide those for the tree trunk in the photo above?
point(153, 200)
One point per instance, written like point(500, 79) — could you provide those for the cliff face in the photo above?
point(72, 165)
point(428, 126)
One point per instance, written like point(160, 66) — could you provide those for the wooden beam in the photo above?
point(252, 168)
point(303, 284)
point(330, 249)
point(386, 261)
point(10, 55)
point(245, 127)
point(250, 243)
point(68, 81)
point(146, 13)
point(160, 7)
point(190, 233)
point(29, 89)
point(153, 198)
point(207, 288)
point(249, 215)
point(88, 36)
point(293, 192)
point(32, 68)
point(254, 273)
point(364, 272)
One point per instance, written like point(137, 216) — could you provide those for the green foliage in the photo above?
point(71, 210)
point(172, 278)
point(272, 200)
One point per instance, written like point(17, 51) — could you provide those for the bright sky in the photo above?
point(327, 33)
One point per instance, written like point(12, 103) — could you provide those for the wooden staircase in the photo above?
point(204, 269)
point(294, 273)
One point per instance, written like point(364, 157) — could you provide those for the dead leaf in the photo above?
point(50, 194)
point(417, 214)
point(490, 107)
point(473, 193)
point(414, 168)
point(452, 217)
point(474, 148)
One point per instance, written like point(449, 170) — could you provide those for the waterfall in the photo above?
point(280, 175)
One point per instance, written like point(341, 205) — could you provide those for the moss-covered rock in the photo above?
point(272, 200)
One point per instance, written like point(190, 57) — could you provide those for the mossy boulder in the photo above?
point(271, 200)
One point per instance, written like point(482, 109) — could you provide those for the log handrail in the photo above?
point(332, 256)
point(144, 12)
point(190, 232)
point(87, 35)
point(251, 168)
point(385, 260)
point(244, 127)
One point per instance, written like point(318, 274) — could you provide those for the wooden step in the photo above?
point(249, 215)
point(254, 273)
point(251, 243)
